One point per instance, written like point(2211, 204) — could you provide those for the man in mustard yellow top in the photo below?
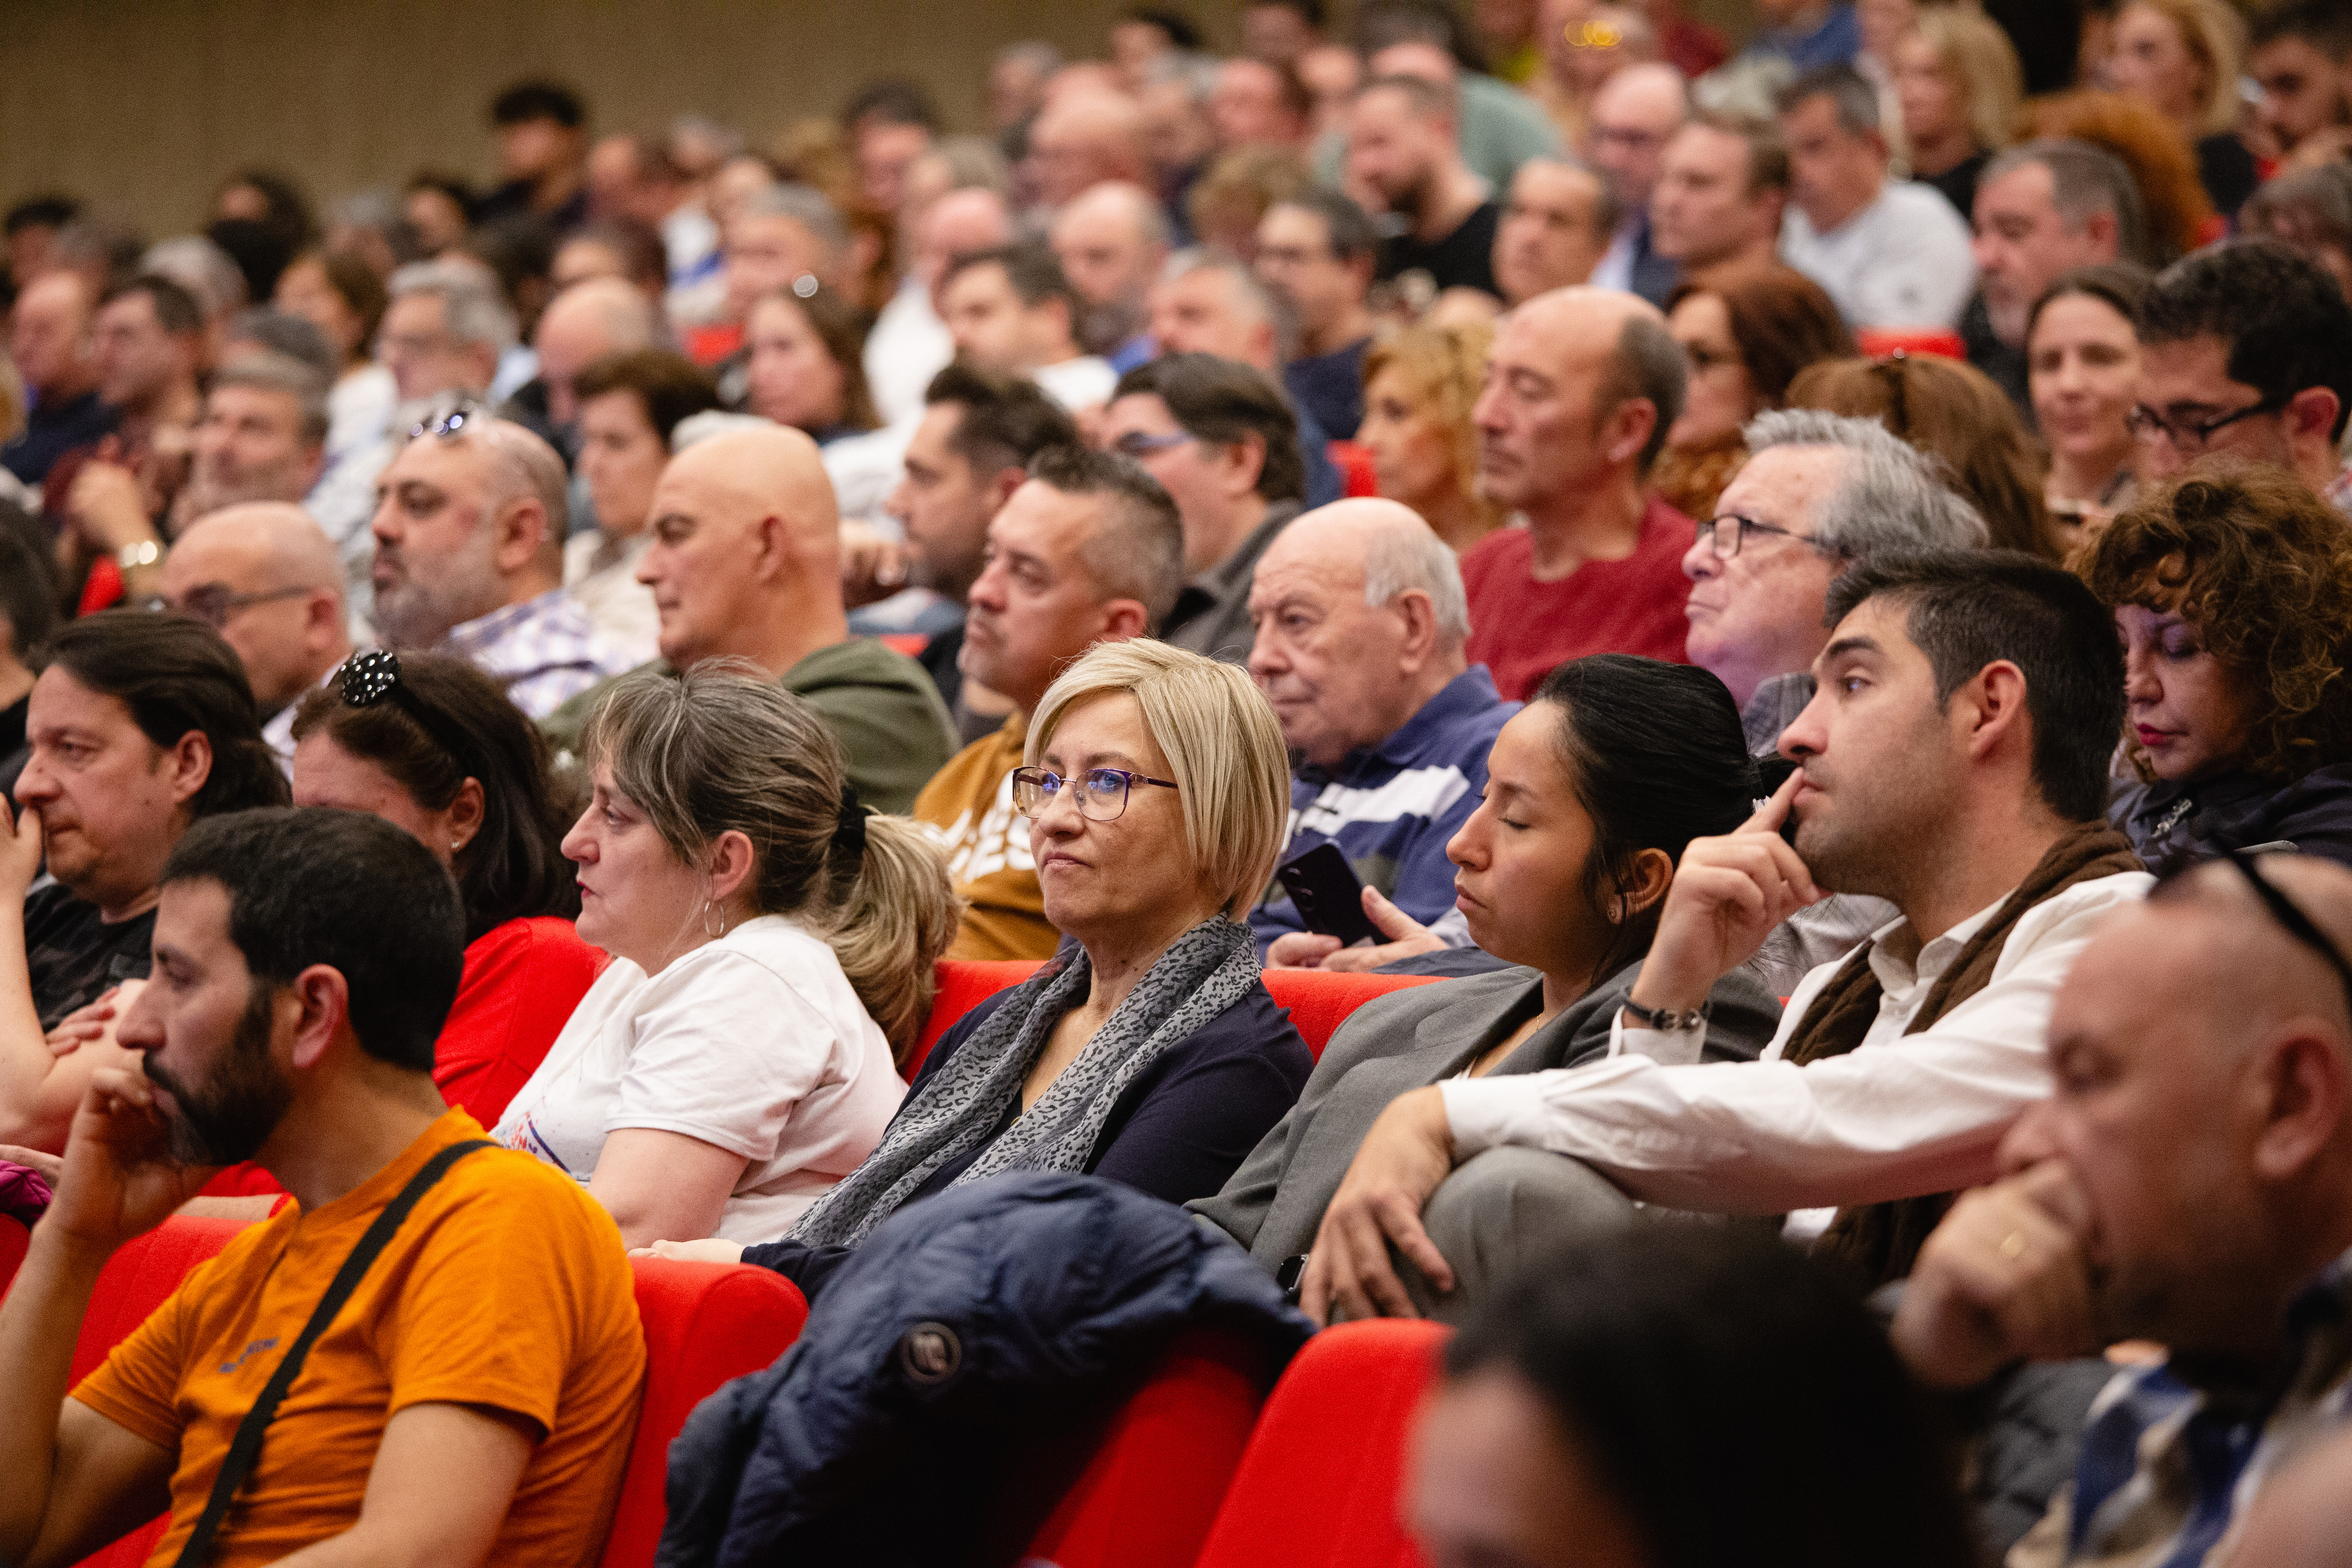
point(471, 1399)
point(1088, 549)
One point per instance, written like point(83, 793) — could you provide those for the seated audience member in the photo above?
point(140, 725)
point(1255, 104)
point(49, 344)
point(29, 613)
point(806, 365)
point(1892, 253)
point(2310, 213)
point(2082, 350)
point(469, 1404)
point(1224, 206)
point(267, 580)
point(1573, 1403)
point(1594, 791)
point(1498, 127)
point(2185, 60)
point(2301, 59)
point(1895, 1073)
point(1223, 441)
point(2041, 211)
point(1960, 83)
point(771, 947)
point(1419, 385)
point(2183, 1184)
point(1360, 620)
point(1559, 220)
point(1722, 196)
point(1315, 254)
point(1581, 387)
point(432, 745)
point(1153, 1054)
point(445, 331)
point(1635, 113)
point(1011, 311)
point(2298, 1520)
point(149, 336)
point(1950, 411)
point(469, 560)
point(1087, 550)
point(630, 406)
point(1403, 150)
point(745, 563)
point(342, 296)
point(1112, 241)
point(773, 236)
point(1745, 335)
point(2246, 350)
point(2180, 217)
point(2231, 589)
point(1082, 138)
point(966, 456)
point(910, 343)
point(592, 319)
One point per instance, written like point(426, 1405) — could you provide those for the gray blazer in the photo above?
point(1409, 1039)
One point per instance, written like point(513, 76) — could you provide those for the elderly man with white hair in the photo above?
point(469, 560)
point(1360, 622)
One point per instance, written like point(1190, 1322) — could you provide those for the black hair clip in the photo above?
point(369, 677)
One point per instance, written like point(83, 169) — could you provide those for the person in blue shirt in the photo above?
point(1360, 620)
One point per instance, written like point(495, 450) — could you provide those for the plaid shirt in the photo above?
point(2164, 1478)
point(544, 651)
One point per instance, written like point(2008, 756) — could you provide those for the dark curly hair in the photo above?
point(2263, 569)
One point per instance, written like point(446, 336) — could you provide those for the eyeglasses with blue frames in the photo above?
point(1141, 444)
point(1102, 792)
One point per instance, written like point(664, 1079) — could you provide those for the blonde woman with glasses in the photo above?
point(1158, 793)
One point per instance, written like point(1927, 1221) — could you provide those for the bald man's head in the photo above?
point(1082, 138)
point(271, 581)
point(1361, 619)
point(586, 322)
point(746, 534)
point(1581, 387)
point(962, 223)
point(2203, 1055)
point(1112, 240)
point(1633, 113)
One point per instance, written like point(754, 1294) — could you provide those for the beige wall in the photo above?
point(145, 104)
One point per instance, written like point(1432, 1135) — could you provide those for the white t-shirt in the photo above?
point(1902, 261)
point(753, 1043)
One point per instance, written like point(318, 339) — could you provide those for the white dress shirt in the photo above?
point(1902, 261)
point(908, 345)
point(1897, 1117)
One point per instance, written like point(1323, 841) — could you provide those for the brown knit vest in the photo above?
point(1874, 1243)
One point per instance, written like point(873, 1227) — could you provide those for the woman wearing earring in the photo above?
point(771, 947)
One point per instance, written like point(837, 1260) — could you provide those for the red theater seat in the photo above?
point(1147, 1496)
point(963, 984)
point(1319, 1484)
point(1879, 342)
point(1320, 1003)
point(705, 1323)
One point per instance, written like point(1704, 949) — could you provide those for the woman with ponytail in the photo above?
point(772, 950)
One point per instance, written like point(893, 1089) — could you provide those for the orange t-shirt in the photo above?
point(507, 1286)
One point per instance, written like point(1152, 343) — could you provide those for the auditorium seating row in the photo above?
point(1201, 1468)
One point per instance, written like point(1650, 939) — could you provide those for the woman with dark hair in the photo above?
point(342, 296)
point(807, 362)
point(2082, 361)
point(2232, 591)
point(631, 405)
point(1580, 1403)
point(1954, 412)
point(431, 743)
point(1594, 791)
point(1746, 333)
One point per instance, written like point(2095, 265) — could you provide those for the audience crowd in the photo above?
point(1807, 590)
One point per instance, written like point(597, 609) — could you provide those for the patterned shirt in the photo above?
point(2165, 1476)
point(544, 650)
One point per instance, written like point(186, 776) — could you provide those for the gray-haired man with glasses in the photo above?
point(2246, 352)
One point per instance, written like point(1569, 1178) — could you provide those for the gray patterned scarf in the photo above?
point(1207, 970)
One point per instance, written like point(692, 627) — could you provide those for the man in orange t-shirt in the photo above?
point(471, 1402)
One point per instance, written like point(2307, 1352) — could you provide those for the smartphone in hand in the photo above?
point(1330, 900)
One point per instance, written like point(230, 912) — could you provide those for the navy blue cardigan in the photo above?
point(1177, 1133)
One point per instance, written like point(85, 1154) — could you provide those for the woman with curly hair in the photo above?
point(2232, 591)
point(1419, 384)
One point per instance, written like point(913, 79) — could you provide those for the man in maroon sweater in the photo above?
point(1580, 389)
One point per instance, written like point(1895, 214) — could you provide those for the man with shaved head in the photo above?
point(1112, 241)
point(2189, 1182)
point(1360, 625)
point(1084, 137)
point(1580, 388)
point(268, 580)
point(1635, 114)
point(745, 563)
point(584, 324)
point(469, 529)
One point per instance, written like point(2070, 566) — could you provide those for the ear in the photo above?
point(1992, 706)
point(2105, 237)
point(2298, 1084)
point(1243, 461)
point(485, 360)
point(312, 467)
point(1421, 639)
point(731, 864)
point(322, 998)
point(1000, 489)
point(323, 621)
point(772, 549)
point(466, 812)
point(521, 526)
point(1123, 619)
point(1627, 429)
point(190, 763)
point(1651, 874)
point(2311, 415)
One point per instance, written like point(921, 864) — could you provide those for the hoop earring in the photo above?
point(709, 907)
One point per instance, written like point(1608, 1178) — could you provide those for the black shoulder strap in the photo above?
point(246, 1447)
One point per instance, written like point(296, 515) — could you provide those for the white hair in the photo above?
point(1399, 559)
point(1892, 496)
point(469, 300)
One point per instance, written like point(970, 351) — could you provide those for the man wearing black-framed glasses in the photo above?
point(268, 580)
point(2246, 352)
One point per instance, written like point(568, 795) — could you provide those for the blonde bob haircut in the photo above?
point(1977, 57)
point(1223, 745)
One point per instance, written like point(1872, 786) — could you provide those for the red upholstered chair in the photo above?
point(13, 1238)
point(1354, 461)
point(1147, 1496)
point(1319, 1484)
point(134, 1283)
point(705, 1323)
point(1320, 1003)
point(964, 983)
point(1879, 342)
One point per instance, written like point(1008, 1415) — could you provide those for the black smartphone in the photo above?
point(1330, 900)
